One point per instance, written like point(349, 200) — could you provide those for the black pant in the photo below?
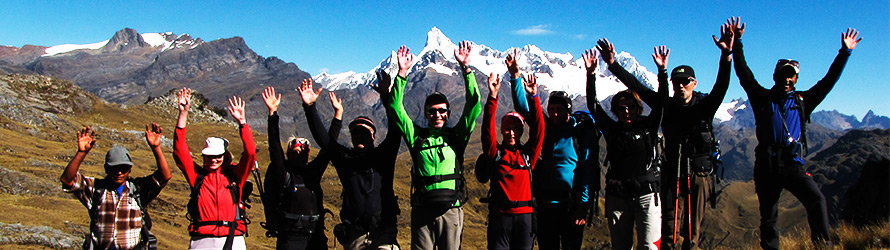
point(556, 226)
point(292, 241)
point(509, 231)
point(769, 182)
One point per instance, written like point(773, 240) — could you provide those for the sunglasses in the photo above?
point(795, 63)
point(118, 169)
point(682, 81)
point(213, 156)
point(437, 111)
point(627, 108)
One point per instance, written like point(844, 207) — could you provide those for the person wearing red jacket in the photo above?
point(214, 214)
point(509, 167)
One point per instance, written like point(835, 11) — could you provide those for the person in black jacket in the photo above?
point(632, 182)
point(293, 199)
point(370, 207)
point(780, 114)
point(688, 136)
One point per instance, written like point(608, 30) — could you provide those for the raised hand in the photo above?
point(86, 139)
point(308, 94)
point(530, 84)
point(590, 61)
point(849, 39)
point(153, 135)
point(726, 38)
point(462, 54)
point(337, 103)
point(661, 57)
point(607, 50)
point(512, 64)
point(272, 101)
point(384, 83)
point(494, 84)
point(405, 58)
point(236, 108)
point(738, 27)
point(185, 95)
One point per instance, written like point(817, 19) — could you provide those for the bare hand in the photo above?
point(738, 27)
point(661, 56)
point(236, 108)
point(272, 100)
point(590, 61)
point(336, 103)
point(607, 50)
point(185, 95)
point(849, 40)
point(512, 64)
point(86, 139)
point(384, 83)
point(405, 58)
point(494, 84)
point(308, 95)
point(462, 54)
point(530, 85)
point(726, 38)
point(153, 134)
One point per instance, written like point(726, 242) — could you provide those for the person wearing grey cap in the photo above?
point(116, 203)
point(687, 177)
point(780, 115)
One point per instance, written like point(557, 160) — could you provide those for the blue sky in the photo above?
point(354, 36)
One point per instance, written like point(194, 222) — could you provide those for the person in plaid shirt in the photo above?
point(115, 203)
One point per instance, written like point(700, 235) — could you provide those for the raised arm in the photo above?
point(396, 107)
point(86, 139)
point(817, 93)
point(746, 77)
point(517, 90)
point(489, 129)
point(593, 105)
point(181, 153)
point(248, 156)
point(472, 108)
point(153, 136)
point(309, 95)
point(607, 51)
point(536, 124)
point(383, 87)
point(275, 174)
point(712, 101)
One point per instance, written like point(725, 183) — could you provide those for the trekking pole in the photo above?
point(677, 196)
point(689, 199)
point(256, 175)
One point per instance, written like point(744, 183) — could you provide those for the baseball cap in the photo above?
point(682, 71)
point(215, 146)
point(118, 155)
point(782, 63)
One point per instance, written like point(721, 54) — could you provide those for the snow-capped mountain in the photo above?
point(555, 71)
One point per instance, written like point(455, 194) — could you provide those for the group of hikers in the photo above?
point(660, 167)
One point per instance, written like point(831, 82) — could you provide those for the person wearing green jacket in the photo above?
point(437, 151)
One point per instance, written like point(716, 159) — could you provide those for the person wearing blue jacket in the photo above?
point(780, 114)
point(564, 177)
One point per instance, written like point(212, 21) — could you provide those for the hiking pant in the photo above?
point(509, 231)
point(701, 190)
point(557, 227)
point(436, 229)
point(214, 243)
point(381, 238)
point(292, 241)
point(624, 212)
point(769, 182)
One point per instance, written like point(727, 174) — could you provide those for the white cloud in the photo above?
point(541, 29)
point(580, 36)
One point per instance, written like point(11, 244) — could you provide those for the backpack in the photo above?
point(647, 180)
point(439, 198)
point(275, 216)
point(485, 167)
point(148, 240)
point(240, 207)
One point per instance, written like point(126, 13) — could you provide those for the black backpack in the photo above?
point(439, 198)
point(148, 240)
